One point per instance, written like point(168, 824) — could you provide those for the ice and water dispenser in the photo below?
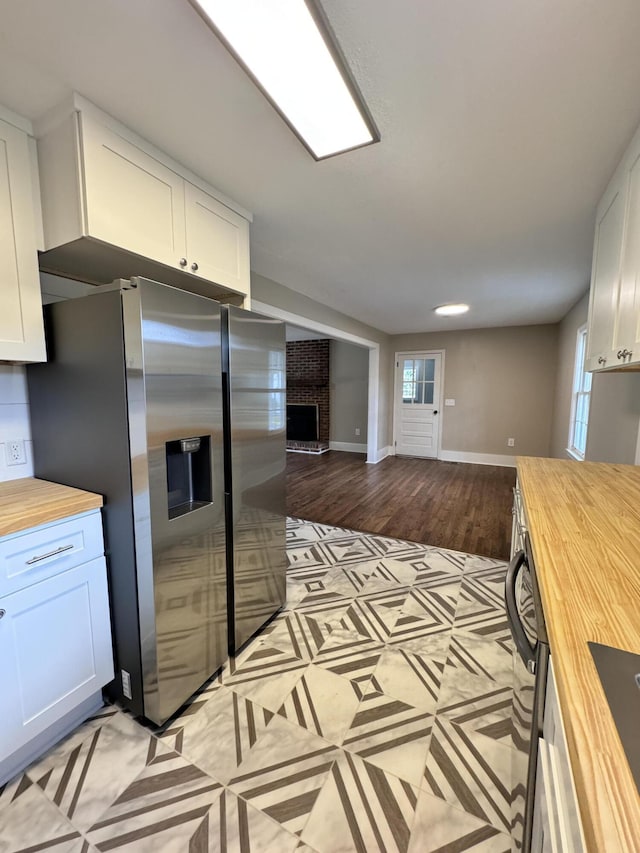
point(188, 474)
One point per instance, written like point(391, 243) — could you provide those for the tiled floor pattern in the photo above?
point(371, 714)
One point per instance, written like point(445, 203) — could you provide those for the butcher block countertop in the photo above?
point(29, 502)
point(584, 524)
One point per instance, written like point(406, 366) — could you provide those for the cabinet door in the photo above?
point(55, 651)
point(21, 324)
point(627, 332)
point(217, 240)
point(131, 199)
point(605, 279)
point(564, 801)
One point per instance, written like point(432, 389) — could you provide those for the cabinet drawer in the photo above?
point(39, 553)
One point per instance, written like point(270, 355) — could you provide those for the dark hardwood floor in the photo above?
point(447, 504)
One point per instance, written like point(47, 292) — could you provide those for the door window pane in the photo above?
point(418, 381)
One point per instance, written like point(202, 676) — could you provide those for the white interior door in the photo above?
point(417, 404)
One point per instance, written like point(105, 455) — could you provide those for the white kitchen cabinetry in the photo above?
point(101, 181)
point(217, 240)
point(518, 523)
point(614, 305)
point(21, 324)
point(627, 330)
point(605, 279)
point(131, 199)
point(55, 634)
point(556, 819)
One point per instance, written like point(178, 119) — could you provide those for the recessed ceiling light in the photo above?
point(287, 47)
point(452, 309)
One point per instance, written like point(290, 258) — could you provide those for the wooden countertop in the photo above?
point(584, 523)
point(29, 502)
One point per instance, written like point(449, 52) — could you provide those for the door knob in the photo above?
point(194, 266)
point(435, 411)
point(183, 262)
point(2, 612)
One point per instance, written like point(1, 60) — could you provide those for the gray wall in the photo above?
point(614, 413)
point(349, 373)
point(614, 417)
point(271, 293)
point(503, 382)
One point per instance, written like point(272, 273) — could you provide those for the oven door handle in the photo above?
point(526, 651)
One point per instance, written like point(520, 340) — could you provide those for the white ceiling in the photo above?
point(501, 123)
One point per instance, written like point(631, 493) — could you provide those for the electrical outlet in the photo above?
point(511, 442)
point(14, 451)
point(357, 430)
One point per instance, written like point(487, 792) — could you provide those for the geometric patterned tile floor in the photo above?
point(373, 713)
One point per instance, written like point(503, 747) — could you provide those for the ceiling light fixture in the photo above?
point(288, 49)
point(452, 309)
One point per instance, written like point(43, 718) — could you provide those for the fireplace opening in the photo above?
point(302, 422)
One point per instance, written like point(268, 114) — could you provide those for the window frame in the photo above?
point(580, 390)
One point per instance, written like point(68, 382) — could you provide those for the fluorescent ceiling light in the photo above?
point(288, 49)
point(452, 309)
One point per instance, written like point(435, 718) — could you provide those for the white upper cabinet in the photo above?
point(132, 199)
point(627, 331)
point(21, 324)
point(605, 274)
point(217, 239)
point(99, 180)
point(614, 305)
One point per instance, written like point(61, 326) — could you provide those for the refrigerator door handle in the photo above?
point(526, 651)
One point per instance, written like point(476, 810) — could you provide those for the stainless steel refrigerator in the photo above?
point(131, 405)
point(254, 386)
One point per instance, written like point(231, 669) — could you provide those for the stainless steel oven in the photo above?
point(530, 664)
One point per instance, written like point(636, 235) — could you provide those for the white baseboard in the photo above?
point(380, 454)
point(478, 458)
point(349, 446)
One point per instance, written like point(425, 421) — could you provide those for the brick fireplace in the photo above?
point(308, 380)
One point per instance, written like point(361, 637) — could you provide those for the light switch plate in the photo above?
point(449, 401)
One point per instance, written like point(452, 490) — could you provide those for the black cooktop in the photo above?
point(619, 673)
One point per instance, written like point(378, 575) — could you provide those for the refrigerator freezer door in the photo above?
point(174, 389)
point(255, 459)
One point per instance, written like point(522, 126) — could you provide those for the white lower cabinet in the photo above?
point(557, 827)
point(55, 635)
point(518, 523)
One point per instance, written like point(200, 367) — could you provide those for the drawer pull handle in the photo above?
point(55, 553)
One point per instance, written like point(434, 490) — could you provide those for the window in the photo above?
point(418, 379)
point(580, 399)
